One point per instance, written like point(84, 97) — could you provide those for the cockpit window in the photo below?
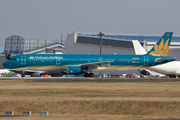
point(13, 59)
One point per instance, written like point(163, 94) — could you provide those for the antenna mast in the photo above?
point(61, 37)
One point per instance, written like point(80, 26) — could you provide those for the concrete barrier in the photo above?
point(9, 113)
point(27, 113)
point(44, 113)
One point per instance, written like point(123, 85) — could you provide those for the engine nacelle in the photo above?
point(72, 70)
point(54, 73)
point(37, 74)
point(144, 71)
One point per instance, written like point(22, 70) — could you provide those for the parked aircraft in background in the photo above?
point(4, 71)
point(171, 68)
point(72, 64)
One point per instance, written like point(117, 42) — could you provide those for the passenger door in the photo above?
point(58, 60)
point(23, 60)
point(146, 60)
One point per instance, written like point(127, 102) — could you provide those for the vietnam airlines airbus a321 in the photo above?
point(85, 64)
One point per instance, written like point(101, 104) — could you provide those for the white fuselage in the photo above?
point(4, 71)
point(167, 68)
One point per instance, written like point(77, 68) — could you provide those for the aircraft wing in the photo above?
point(28, 72)
point(94, 64)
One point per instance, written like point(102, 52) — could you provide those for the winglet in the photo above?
point(161, 48)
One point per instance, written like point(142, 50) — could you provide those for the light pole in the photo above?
point(100, 34)
point(61, 38)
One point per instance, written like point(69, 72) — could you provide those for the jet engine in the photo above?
point(37, 74)
point(144, 71)
point(73, 70)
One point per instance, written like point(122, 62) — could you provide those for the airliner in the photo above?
point(4, 71)
point(170, 68)
point(73, 64)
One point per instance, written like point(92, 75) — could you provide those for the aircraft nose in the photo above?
point(5, 64)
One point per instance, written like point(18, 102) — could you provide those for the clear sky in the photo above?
point(47, 19)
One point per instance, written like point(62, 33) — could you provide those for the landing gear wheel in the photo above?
point(41, 75)
point(86, 75)
point(91, 75)
point(22, 75)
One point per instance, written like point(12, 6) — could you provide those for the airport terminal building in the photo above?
point(18, 45)
point(77, 43)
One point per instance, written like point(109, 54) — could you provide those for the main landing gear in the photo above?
point(88, 75)
point(22, 75)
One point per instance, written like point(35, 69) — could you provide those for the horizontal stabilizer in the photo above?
point(164, 59)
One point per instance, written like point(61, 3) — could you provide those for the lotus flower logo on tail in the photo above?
point(161, 50)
